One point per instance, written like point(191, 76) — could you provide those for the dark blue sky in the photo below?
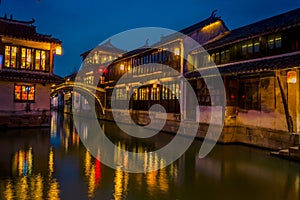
point(81, 25)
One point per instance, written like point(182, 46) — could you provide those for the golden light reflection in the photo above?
point(92, 173)
point(53, 125)
point(121, 183)
point(91, 183)
point(87, 163)
point(22, 162)
point(163, 180)
point(53, 193)
point(156, 180)
point(22, 188)
point(75, 138)
point(8, 193)
point(37, 188)
point(51, 162)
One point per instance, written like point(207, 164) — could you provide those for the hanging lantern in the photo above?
point(291, 77)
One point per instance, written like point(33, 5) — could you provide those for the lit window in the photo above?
point(256, 47)
point(177, 51)
point(278, 42)
point(250, 48)
point(10, 59)
point(23, 58)
point(244, 50)
point(25, 93)
point(28, 59)
point(43, 60)
point(271, 43)
point(13, 59)
point(37, 59)
point(7, 56)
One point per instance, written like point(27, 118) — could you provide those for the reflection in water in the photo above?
point(121, 183)
point(8, 193)
point(53, 164)
point(92, 173)
point(22, 162)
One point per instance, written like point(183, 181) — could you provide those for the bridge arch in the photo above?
point(87, 91)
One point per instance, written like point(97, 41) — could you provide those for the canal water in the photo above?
point(52, 163)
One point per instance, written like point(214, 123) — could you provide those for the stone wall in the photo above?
point(249, 135)
point(42, 98)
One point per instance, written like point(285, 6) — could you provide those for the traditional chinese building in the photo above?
point(259, 66)
point(26, 68)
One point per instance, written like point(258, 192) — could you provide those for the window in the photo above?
point(249, 95)
point(24, 93)
point(26, 58)
point(278, 42)
point(10, 56)
point(7, 56)
point(40, 60)
point(89, 80)
point(250, 48)
point(144, 93)
point(225, 56)
point(274, 41)
point(271, 43)
point(256, 47)
point(155, 92)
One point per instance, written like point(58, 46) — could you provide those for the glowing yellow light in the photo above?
point(51, 161)
point(87, 163)
point(118, 184)
point(211, 26)
point(58, 50)
point(53, 193)
point(39, 187)
point(177, 51)
point(122, 67)
point(292, 77)
point(8, 193)
point(92, 183)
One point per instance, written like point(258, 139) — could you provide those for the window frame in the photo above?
point(21, 93)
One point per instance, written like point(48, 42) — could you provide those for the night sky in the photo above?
point(81, 25)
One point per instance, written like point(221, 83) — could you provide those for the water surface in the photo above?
point(53, 164)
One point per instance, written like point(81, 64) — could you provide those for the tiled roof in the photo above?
point(29, 76)
point(188, 31)
point(199, 25)
point(256, 65)
point(266, 26)
point(23, 30)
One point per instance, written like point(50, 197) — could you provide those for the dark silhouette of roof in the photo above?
point(23, 30)
point(211, 19)
point(270, 25)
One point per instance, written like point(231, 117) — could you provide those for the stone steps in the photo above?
point(292, 153)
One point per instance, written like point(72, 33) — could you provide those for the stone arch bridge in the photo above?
point(89, 92)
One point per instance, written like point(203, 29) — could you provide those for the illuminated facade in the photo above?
point(26, 66)
point(94, 63)
point(259, 64)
